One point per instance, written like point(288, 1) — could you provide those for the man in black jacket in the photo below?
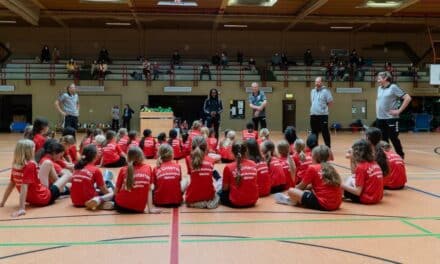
point(213, 107)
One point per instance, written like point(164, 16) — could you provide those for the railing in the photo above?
point(172, 77)
point(124, 75)
point(308, 77)
point(52, 74)
point(286, 77)
point(27, 74)
point(219, 77)
point(2, 76)
point(241, 76)
point(196, 76)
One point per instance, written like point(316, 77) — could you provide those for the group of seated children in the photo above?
point(298, 172)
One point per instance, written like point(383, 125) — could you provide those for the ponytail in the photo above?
point(381, 160)
point(330, 175)
point(197, 156)
point(129, 181)
point(238, 177)
point(239, 149)
point(268, 150)
point(88, 155)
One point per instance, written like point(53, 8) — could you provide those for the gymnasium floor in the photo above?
point(403, 228)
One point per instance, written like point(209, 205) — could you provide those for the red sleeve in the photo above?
point(153, 176)
point(297, 161)
point(30, 173)
point(360, 176)
point(99, 179)
point(227, 176)
point(121, 178)
point(309, 175)
point(118, 149)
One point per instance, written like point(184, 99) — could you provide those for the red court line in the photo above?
point(174, 249)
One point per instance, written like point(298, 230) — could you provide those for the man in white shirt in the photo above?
point(321, 99)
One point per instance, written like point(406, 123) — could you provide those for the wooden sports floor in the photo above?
point(403, 228)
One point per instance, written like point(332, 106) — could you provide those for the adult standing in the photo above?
point(321, 99)
point(258, 102)
point(126, 116)
point(115, 117)
point(70, 107)
point(388, 109)
point(213, 107)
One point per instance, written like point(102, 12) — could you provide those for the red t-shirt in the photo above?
point(192, 134)
point(188, 162)
point(98, 155)
point(276, 172)
point(72, 152)
point(286, 169)
point(201, 187)
point(301, 166)
point(149, 147)
point(135, 199)
point(245, 193)
point(212, 144)
point(86, 142)
point(397, 175)
point(38, 194)
point(39, 141)
point(329, 196)
point(245, 135)
point(263, 179)
point(122, 143)
point(177, 148)
point(111, 153)
point(226, 152)
point(292, 150)
point(186, 148)
point(133, 143)
point(166, 179)
point(369, 177)
point(83, 184)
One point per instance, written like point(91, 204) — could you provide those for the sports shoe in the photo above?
point(93, 203)
point(281, 198)
point(108, 205)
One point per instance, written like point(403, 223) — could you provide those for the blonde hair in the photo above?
point(23, 153)
point(165, 153)
point(205, 132)
point(121, 133)
point(67, 139)
point(283, 148)
point(229, 140)
point(264, 133)
point(198, 150)
point(268, 149)
point(196, 125)
point(100, 139)
point(330, 176)
point(134, 156)
point(299, 148)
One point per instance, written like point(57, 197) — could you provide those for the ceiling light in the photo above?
point(383, 4)
point(341, 27)
point(252, 2)
point(118, 24)
point(235, 26)
point(176, 3)
point(8, 22)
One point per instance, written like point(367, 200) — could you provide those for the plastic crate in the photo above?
point(422, 122)
point(18, 126)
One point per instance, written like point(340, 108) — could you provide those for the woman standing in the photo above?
point(126, 117)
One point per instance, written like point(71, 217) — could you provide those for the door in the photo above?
point(17, 108)
point(359, 110)
point(289, 113)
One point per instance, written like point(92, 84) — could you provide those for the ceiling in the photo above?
point(285, 15)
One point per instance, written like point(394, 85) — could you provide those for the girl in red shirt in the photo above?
point(186, 147)
point(249, 132)
point(122, 139)
point(176, 144)
point(396, 179)
point(71, 154)
point(211, 140)
point(225, 147)
point(286, 160)
point(367, 185)
point(325, 182)
point(87, 140)
point(301, 159)
point(52, 165)
point(25, 178)
point(112, 155)
point(133, 187)
point(290, 136)
point(40, 128)
point(167, 177)
point(85, 179)
point(263, 177)
point(276, 172)
point(264, 136)
point(148, 144)
point(201, 192)
point(239, 186)
point(374, 135)
point(195, 131)
point(161, 139)
point(132, 139)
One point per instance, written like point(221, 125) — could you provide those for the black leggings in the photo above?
point(319, 123)
point(119, 163)
point(390, 131)
point(261, 120)
point(224, 199)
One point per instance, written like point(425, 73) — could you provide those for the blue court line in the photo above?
point(422, 191)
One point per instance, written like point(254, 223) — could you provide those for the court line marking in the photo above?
point(293, 238)
point(174, 241)
point(409, 223)
point(289, 242)
point(423, 191)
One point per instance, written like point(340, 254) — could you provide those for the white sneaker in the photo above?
point(281, 198)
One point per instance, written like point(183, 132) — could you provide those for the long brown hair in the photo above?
point(164, 153)
point(135, 156)
point(268, 150)
point(330, 176)
point(198, 150)
point(239, 149)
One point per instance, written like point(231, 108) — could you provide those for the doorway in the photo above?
point(14, 108)
point(289, 113)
